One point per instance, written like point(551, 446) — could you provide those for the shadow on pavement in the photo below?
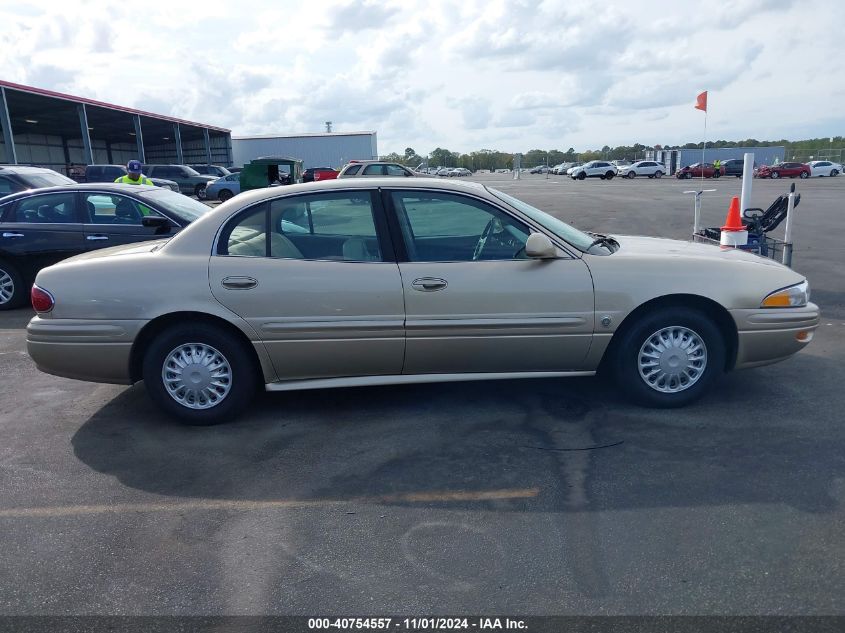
point(573, 442)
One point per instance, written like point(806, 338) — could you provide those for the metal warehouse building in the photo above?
point(674, 159)
point(59, 131)
point(328, 149)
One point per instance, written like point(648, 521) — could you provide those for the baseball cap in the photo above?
point(133, 167)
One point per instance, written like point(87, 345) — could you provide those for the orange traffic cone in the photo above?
point(734, 232)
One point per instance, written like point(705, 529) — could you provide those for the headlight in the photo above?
point(792, 297)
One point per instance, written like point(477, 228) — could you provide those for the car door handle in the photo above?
point(12, 234)
point(429, 284)
point(95, 238)
point(239, 283)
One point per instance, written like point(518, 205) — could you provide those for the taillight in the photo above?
point(42, 301)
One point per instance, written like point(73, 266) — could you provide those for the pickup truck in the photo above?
point(190, 182)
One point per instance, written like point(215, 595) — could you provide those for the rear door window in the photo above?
point(54, 208)
point(354, 169)
point(374, 170)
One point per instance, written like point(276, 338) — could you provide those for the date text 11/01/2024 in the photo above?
point(417, 624)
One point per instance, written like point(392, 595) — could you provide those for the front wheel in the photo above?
point(582, 176)
point(833, 173)
point(224, 195)
point(12, 289)
point(776, 174)
point(200, 373)
point(609, 175)
point(669, 358)
point(803, 175)
point(688, 175)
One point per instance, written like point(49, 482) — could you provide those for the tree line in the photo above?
point(489, 159)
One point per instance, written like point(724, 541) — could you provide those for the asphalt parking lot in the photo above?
point(521, 497)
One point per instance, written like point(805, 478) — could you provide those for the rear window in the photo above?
point(46, 179)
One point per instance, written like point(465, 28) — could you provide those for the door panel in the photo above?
point(317, 318)
point(498, 316)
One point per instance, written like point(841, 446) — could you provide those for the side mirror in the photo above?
point(539, 246)
point(157, 222)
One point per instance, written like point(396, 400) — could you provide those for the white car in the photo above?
point(824, 168)
point(594, 169)
point(648, 168)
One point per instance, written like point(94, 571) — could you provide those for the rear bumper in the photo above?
point(770, 335)
point(83, 349)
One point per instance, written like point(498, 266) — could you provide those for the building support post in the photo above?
point(177, 134)
point(6, 122)
point(139, 138)
point(207, 142)
point(87, 151)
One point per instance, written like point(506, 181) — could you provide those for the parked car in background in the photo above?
point(319, 173)
point(373, 169)
point(190, 182)
point(14, 178)
point(223, 188)
point(218, 171)
point(39, 227)
point(443, 171)
point(594, 169)
point(783, 170)
point(540, 169)
point(461, 254)
point(568, 168)
point(733, 167)
point(696, 170)
point(110, 173)
point(649, 168)
point(620, 163)
point(824, 168)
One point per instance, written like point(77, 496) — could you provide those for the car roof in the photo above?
point(15, 169)
point(100, 186)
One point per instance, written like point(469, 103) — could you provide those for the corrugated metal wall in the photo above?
point(315, 151)
point(762, 155)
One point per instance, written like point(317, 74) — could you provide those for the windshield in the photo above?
point(48, 179)
point(179, 205)
point(577, 238)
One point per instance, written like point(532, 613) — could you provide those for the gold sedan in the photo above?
point(376, 282)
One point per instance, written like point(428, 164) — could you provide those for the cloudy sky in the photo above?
point(465, 74)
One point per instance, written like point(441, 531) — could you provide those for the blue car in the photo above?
point(223, 188)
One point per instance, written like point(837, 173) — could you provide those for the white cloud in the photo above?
point(461, 74)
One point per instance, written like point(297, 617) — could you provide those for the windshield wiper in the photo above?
point(604, 240)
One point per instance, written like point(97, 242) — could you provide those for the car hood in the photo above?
point(643, 247)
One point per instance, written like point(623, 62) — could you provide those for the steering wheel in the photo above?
point(482, 241)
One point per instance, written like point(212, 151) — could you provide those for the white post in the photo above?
point(747, 175)
point(696, 223)
point(787, 237)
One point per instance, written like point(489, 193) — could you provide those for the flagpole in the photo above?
point(704, 146)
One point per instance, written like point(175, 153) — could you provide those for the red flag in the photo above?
point(701, 101)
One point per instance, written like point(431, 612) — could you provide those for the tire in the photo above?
point(833, 173)
point(688, 175)
point(224, 195)
point(199, 192)
point(705, 368)
point(13, 291)
point(631, 175)
point(658, 174)
point(241, 382)
point(775, 174)
point(582, 176)
point(609, 175)
point(803, 175)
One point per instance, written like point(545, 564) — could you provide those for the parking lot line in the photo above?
point(206, 505)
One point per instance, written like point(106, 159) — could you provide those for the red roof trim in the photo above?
point(103, 104)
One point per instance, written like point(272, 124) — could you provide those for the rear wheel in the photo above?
point(658, 174)
point(199, 192)
point(804, 174)
point(224, 195)
point(688, 175)
point(631, 175)
point(12, 288)
point(201, 374)
point(669, 358)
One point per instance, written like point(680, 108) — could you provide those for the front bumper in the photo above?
point(83, 349)
point(769, 335)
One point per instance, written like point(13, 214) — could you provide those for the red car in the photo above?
point(319, 173)
point(695, 170)
point(784, 170)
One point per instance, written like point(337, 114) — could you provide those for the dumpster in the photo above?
point(270, 171)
